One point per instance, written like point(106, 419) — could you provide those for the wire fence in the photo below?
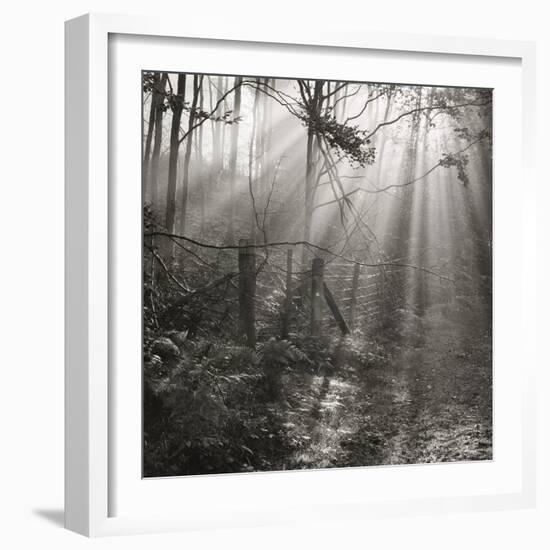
point(356, 296)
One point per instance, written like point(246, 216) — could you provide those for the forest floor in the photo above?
point(432, 403)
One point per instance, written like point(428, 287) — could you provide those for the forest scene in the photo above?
point(317, 274)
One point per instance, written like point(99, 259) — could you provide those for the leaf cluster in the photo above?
point(346, 140)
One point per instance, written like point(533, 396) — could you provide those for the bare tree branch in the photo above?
point(294, 243)
point(421, 109)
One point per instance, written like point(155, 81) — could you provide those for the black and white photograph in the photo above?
point(317, 273)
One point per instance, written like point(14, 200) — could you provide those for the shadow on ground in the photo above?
point(53, 516)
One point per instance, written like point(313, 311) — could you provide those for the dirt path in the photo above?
point(431, 404)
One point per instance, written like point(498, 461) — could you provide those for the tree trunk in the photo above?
point(400, 245)
point(268, 136)
point(353, 301)
point(247, 292)
point(225, 108)
point(149, 138)
point(310, 183)
point(177, 108)
point(155, 158)
point(200, 158)
point(315, 107)
point(197, 84)
point(233, 158)
point(212, 165)
point(217, 130)
point(317, 291)
point(288, 295)
point(253, 168)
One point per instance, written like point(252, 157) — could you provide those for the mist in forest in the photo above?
point(317, 273)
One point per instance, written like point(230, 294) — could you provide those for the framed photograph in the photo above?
point(289, 290)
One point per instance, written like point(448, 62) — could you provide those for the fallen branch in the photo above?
point(180, 285)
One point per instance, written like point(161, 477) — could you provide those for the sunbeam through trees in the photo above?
point(317, 273)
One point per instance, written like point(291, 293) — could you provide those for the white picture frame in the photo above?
point(91, 399)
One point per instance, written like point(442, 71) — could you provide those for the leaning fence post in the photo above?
point(317, 268)
point(335, 310)
point(353, 301)
point(247, 292)
point(288, 294)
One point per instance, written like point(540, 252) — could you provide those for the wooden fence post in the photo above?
point(317, 268)
point(288, 294)
point(335, 310)
point(247, 292)
point(353, 302)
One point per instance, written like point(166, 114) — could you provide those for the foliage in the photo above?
point(460, 160)
point(149, 81)
point(328, 354)
point(207, 400)
point(225, 117)
point(347, 141)
point(151, 84)
point(361, 352)
point(205, 411)
point(275, 357)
